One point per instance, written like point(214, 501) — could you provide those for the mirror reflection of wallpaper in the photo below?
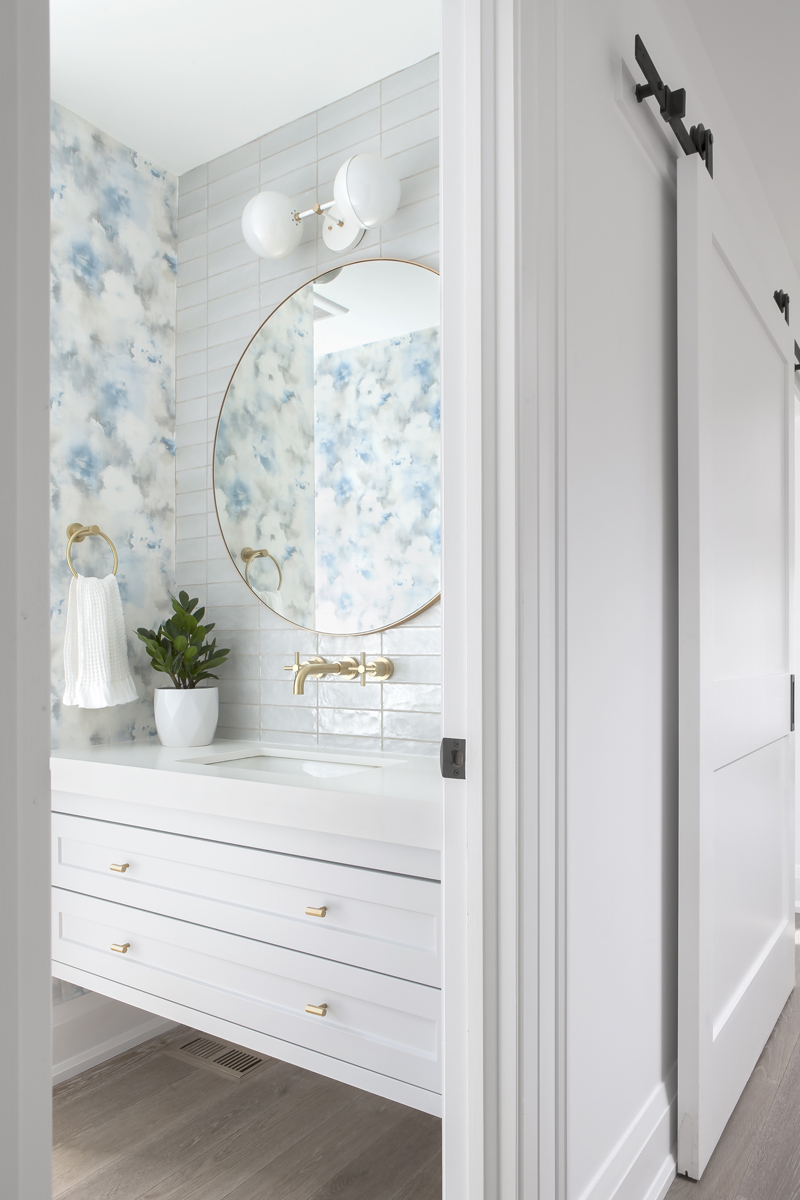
point(263, 462)
point(377, 441)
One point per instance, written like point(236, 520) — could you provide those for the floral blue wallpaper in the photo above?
point(264, 456)
point(378, 521)
point(113, 268)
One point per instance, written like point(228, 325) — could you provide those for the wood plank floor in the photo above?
point(146, 1126)
point(758, 1155)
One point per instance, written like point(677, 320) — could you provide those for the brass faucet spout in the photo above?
point(300, 679)
point(316, 668)
point(313, 667)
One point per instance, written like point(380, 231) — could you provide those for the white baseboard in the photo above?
point(642, 1164)
point(92, 1028)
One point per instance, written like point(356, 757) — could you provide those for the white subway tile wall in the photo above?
point(224, 293)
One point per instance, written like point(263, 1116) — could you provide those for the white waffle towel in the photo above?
point(273, 599)
point(96, 670)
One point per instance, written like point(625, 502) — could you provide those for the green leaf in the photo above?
point(179, 648)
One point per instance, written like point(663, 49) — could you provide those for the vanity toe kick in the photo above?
point(384, 1024)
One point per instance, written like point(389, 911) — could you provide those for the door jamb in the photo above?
point(503, 590)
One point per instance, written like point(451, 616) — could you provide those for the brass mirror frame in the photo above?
point(312, 279)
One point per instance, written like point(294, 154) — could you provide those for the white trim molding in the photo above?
point(502, 601)
point(642, 1164)
point(25, 995)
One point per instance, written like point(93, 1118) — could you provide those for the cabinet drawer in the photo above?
point(374, 1021)
point(373, 919)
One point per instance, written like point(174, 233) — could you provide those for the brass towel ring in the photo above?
point(77, 532)
point(247, 557)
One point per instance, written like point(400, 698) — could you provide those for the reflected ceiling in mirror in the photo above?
point(326, 459)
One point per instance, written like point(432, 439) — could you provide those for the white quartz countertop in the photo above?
point(396, 799)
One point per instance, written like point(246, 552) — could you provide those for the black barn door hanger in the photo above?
point(672, 105)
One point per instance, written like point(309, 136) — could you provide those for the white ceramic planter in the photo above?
point(186, 716)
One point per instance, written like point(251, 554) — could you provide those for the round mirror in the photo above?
point(326, 459)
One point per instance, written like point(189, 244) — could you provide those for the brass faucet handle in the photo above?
point(380, 668)
point(349, 668)
point(295, 666)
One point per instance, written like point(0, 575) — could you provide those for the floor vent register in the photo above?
point(223, 1058)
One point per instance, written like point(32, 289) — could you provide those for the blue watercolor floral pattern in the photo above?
point(334, 469)
point(113, 268)
point(378, 521)
point(264, 457)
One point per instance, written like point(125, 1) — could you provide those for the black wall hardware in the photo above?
point(781, 298)
point(797, 356)
point(453, 758)
point(697, 140)
point(791, 704)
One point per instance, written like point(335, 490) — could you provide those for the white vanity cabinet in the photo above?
point(239, 927)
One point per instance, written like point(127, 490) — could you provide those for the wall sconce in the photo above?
point(366, 192)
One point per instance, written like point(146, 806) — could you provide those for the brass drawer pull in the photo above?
point(316, 912)
point(121, 867)
point(317, 1010)
point(121, 948)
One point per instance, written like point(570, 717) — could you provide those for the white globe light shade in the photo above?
point(366, 190)
point(269, 227)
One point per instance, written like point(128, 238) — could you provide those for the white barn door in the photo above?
point(736, 488)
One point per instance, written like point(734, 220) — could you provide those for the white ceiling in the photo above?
point(182, 81)
point(753, 46)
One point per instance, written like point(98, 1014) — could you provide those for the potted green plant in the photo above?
point(186, 715)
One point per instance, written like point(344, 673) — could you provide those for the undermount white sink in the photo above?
point(284, 762)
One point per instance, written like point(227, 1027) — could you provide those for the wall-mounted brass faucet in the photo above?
point(345, 668)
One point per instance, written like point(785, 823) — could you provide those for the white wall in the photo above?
point(621, 576)
point(224, 293)
point(89, 1029)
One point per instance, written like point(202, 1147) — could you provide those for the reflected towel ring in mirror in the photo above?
point(249, 554)
point(77, 532)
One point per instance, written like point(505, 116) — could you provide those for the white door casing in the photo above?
point(25, 994)
point(494, 428)
point(796, 628)
point(736, 521)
